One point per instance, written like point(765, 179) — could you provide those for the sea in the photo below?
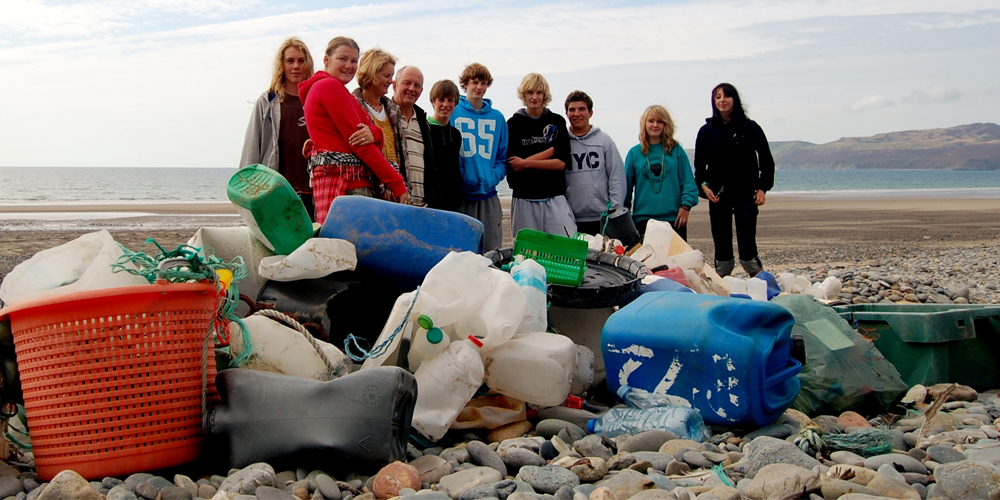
point(25, 186)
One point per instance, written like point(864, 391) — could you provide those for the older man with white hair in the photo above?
point(407, 88)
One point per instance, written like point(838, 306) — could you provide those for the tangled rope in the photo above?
point(381, 348)
point(866, 443)
point(334, 370)
point(185, 264)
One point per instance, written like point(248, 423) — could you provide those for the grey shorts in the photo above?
point(490, 213)
point(553, 216)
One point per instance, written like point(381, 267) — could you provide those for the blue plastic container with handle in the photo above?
point(400, 242)
point(729, 358)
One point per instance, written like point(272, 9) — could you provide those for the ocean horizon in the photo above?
point(47, 186)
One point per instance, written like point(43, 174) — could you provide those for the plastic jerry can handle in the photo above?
point(792, 369)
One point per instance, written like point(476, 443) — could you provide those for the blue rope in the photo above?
point(384, 346)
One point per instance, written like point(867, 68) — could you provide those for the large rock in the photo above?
point(893, 488)
point(246, 481)
point(68, 485)
point(548, 479)
point(969, 480)
point(515, 458)
point(835, 488)
point(766, 450)
point(904, 462)
point(627, 483)
point(431, 468)
point(961, 393)
point(779, 481)
point(481, 454)
point(394, 477)
point(646, 441)
point(590, 469)
point(499, 490)
point(10, 486)
point(457, 483)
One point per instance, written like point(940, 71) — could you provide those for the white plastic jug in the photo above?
point(757, 289)
point(497, 319)
point(536, 368)
point(454, 287)
point(75, 266)
point(425, 345)
point(396, 317)
point(530, 276)
point(280, 349)
point(445, 384)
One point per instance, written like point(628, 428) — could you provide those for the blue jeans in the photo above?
point(721, 215)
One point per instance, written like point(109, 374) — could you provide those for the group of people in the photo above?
point(328, 141)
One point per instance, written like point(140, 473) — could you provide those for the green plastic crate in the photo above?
point(564, 259)
point(934, 343)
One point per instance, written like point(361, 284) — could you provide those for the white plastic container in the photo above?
point(536, 368)
point(396, 317)
point(530, 276)
point(280, 349)
point(75, 266)
point(425, 345)
point(455, 287)
point(228, 242)
point(445, 384)
point(496, 320)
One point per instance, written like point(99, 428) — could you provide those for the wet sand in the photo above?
point(792, 230)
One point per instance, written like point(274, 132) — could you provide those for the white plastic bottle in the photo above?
point(497, 319)
point(445, 384)
point(530, 276)
point(428, 341)
point(536, 368)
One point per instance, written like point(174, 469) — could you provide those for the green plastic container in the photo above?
point(934, 343)
point(270, 207)
point(564, 259)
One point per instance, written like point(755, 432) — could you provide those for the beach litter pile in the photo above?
point(384, 355)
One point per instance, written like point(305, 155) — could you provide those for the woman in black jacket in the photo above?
point(734, 170)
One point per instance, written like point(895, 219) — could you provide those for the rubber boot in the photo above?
point(752, 266)
point(362, 418)
point(725, 267)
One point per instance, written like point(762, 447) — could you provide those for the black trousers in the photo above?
point(721, 215)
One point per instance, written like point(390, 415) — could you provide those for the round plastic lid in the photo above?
point(435, 335)
point(425, 322)
point(476, 341)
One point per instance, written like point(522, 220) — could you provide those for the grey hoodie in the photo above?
point(594, 176)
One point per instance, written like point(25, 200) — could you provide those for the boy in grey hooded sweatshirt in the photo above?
point(596, 174)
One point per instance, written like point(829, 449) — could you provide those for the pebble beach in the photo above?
point(899, 250)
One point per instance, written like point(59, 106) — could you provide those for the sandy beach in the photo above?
point(794, 231)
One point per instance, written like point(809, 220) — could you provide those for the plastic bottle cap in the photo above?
point(622, 391)
point(592, 425)
point(474, 340)
point(435, 335)
point(425, 322)
point(619, 250)
point(573, 402)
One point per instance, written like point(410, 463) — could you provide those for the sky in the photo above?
point(171, 83)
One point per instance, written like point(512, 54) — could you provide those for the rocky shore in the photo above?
point(942, 447)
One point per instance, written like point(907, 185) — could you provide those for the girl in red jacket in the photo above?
point(345, 144)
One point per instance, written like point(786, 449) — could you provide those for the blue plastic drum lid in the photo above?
point(730, 358)
point(400, 242)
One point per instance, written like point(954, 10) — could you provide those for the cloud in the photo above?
point(935, 94)
point(870, 103)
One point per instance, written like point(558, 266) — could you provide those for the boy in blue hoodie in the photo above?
point(484, 152)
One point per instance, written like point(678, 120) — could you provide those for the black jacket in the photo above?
point(734, 155)
point(442, 173)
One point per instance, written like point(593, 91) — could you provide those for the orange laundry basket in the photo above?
point(112, 378)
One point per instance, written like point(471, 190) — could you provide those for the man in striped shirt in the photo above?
point(407, 87)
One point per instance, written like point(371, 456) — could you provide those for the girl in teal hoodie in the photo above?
point(659, 180)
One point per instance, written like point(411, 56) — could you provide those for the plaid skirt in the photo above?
point(329, 175)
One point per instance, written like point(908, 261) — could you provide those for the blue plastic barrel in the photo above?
point(400, 242)
point(730, 358)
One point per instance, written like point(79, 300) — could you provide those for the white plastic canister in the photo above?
point(445, 384)
point(536, 368)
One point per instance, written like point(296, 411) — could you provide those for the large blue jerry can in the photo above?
point(400, 242)
point(729, 358)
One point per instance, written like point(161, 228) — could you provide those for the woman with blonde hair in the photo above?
point(375, 73)
point(277, 130)
point(659, 180)
point(345, 156)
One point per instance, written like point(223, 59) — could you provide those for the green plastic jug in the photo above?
point(270, 208)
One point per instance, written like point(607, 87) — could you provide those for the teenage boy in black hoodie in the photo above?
point(537, 155)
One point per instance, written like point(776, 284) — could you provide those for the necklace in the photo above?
point(655, 180)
